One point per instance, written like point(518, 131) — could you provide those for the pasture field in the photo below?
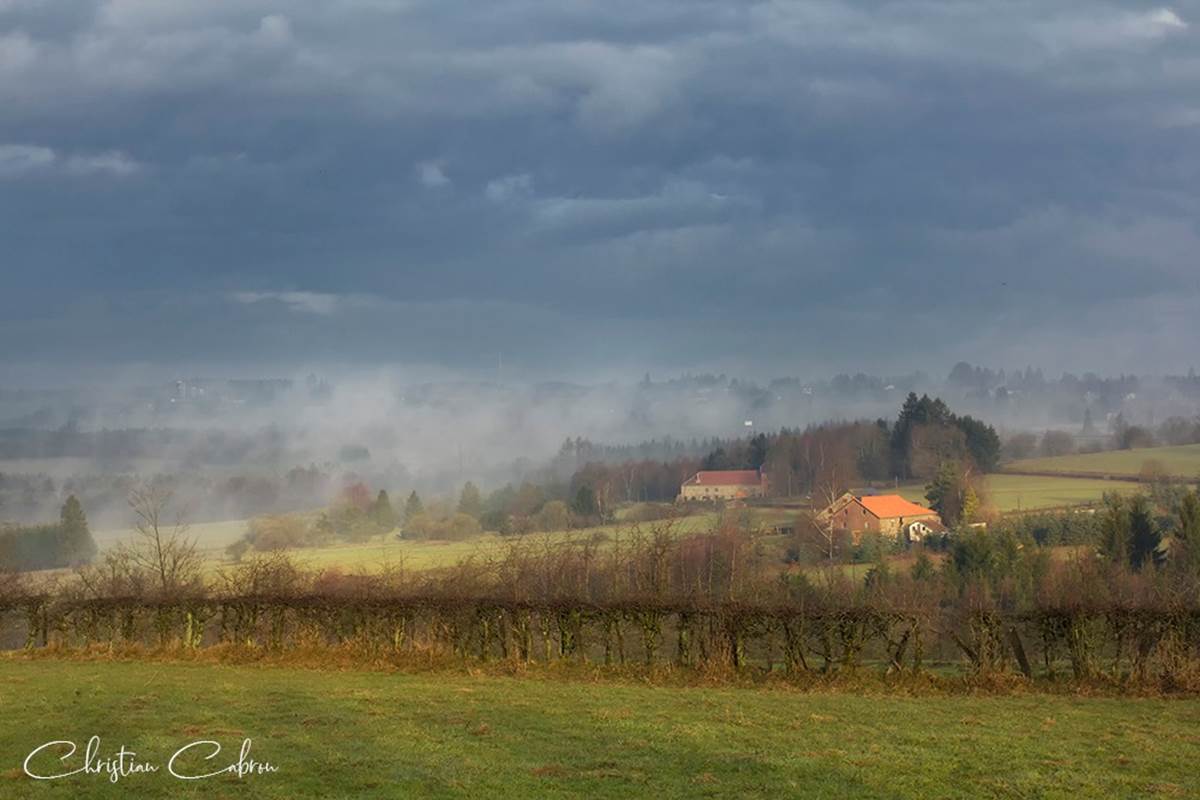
point(210, 536)
point(1182, 461)
point(386, 550)
point(361, 734)
point(1031, 492)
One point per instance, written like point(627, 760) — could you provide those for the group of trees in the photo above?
point(583, 502)
point(1121, 436)
point(925, 435)
point(956, 493)
point(1173, 431)
point(1028, 445)
point(1146, 530)
point(357, 515)
point(1136, 532)
point(34, 547)
point(29, 497)
point(796, 461)
point(160, 558)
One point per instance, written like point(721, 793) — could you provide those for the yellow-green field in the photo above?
point(1009, 493)
point(388, 551)
point(347, 734)
point(214, 536)
point(1182, 462)
point(385, 551)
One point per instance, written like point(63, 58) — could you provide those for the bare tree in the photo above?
point(13, 585)
point(163, 548)
point(828, 494)
point(114, 575)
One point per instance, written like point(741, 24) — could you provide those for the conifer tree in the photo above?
point(382, 511)
point(470, 502)
point(943, 494)
point(970, 504)
point(413, 506)
point(1185, 551)
point(78, 544)
point(1144, 534)
point(1115, 528)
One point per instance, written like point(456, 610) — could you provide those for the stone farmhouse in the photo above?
point(888, 514)
point(724, 484)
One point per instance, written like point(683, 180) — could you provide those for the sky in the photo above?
point(578, 188)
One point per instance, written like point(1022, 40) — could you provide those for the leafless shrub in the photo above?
point(162, 548)
point(651, 596)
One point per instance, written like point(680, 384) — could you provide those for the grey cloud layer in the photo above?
point(668, 183)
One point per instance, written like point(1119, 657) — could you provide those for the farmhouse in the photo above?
point(724, 484)
point(889, 514)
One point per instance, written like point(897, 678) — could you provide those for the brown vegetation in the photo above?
point(712, 602)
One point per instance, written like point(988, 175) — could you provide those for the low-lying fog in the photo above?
point(434, 436)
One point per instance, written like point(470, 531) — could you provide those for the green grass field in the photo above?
point(1182, 461)
point(386, 735)
point(1030, 492)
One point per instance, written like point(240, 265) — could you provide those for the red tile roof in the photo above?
point(725, 477)
point(888, 506)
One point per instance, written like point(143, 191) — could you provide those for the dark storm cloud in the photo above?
point(679, 184)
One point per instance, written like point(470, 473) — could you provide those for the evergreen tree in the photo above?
point(972, 555)
point(718, 459)
point(382, 511)
point(1144, 534)
point(1185, 551)
point(922, 568)
point(72, 518)
point(945, 493)
point(970, 504)
point(77, 542)
point(584, 503)
point(902, 434)
point(470, 502)
point(413, 507)
point(759, 447)
point(982, 442)
point(979, 440)
point(324, 527)
point(1114, 528)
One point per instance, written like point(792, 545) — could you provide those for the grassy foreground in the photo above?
point(372, 734)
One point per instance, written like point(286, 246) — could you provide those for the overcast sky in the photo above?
point(618, 185)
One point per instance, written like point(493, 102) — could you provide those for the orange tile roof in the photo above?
point(887, 506)
point(725, 477)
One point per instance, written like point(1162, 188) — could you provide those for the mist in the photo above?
point(234, 447)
